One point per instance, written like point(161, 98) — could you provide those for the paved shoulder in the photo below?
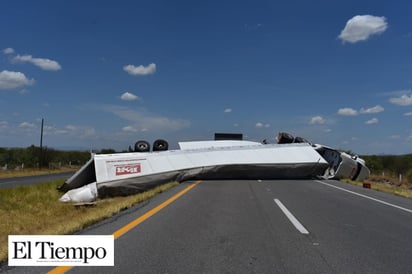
point(29, 180)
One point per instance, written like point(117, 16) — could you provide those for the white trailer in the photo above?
point(106, 175)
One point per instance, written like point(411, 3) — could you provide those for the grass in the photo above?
point(35, 210)
point(11, 173)
point(387, 184)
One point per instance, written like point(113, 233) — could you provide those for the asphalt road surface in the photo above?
point(30, 180)
point(306, 226)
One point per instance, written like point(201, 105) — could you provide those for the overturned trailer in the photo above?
point(107, 175)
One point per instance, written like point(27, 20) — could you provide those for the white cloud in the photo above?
point(372, 121)
point(140, 70)
point(408, 114)
point(317, 120)
point(375, 109)
point(127, 96)
point(361, 27)
point(404, 100)
point(261, 125)
point(228, 110)
point(14, 79)
point(8, 51)
point(144, 120)
point(347, 112)
point(51, 130)
point(354, 112)
point(133, 129)
point(129, 129)
point(27, 125)
point(43, 63)
point(70, 130)
point(71, 127)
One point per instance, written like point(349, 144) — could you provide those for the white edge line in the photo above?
point(291, 218)
point(365, 196)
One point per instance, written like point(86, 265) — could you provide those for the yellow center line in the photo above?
point(134, 223)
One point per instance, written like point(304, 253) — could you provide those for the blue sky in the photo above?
point(104, 74)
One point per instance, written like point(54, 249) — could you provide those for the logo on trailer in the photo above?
point(128, 169)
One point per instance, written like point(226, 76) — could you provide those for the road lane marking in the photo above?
point(123, 230)
point(152, 212)
point(366, 197)
point(291, 218)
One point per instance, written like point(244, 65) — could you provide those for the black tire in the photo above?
point(300, 140)
point(285, 138)
point(141, 146)
point(160, 145)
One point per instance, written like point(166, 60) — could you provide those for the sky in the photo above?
point(105, 74)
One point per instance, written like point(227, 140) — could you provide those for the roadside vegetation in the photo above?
point(34, 157)
point(390, 173)
point(30, 161)
point(391, 166)
point(35, 210)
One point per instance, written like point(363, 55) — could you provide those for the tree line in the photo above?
point(34, 157)
point(391, 165)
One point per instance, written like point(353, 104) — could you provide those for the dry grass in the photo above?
point(387, 184)
point(35, 210)
point(11, 173)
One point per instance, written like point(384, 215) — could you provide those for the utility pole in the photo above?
point(41, 144)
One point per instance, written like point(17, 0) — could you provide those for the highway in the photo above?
point(305, 226)
point(30, 180)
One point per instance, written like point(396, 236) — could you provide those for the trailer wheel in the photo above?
point(160, 145)
point(141, 146)
point(300, 140)
point(285, 138)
